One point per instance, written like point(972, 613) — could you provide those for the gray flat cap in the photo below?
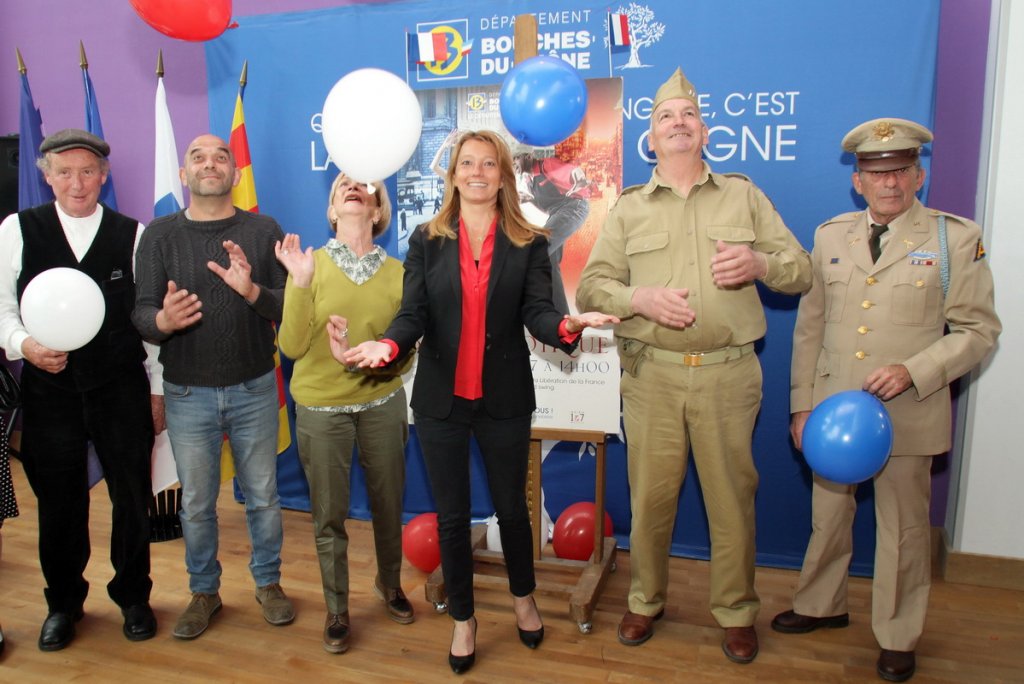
point(74, 139)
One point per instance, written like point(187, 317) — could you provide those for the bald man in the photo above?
point(210, 291)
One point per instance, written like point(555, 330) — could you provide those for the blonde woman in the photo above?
point(352, 288)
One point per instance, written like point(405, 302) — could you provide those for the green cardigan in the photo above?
point(318, 379)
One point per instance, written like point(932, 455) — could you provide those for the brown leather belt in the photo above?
point(707, 358)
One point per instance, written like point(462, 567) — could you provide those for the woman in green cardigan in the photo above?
point(354, 287)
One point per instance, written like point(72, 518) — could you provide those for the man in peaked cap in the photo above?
point(676, 260)
point(881, 316)
point(99, 392)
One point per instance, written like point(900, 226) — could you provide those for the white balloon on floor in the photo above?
point(371, 124)
point(63, 309)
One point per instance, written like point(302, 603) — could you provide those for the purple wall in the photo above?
point(960, 90)
point(122, 53)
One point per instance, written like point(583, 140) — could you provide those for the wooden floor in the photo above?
point(973, 634)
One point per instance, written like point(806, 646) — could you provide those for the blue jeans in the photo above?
point(197, 420)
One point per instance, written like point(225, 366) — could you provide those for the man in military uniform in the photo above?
point(888, 282)
point(676, 261)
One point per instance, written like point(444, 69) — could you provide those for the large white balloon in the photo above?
point(62, 308)
point(371, 124)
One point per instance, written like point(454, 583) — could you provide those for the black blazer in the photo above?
point(518, 294)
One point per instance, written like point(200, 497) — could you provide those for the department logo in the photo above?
point(476, 102)
point(453, 37)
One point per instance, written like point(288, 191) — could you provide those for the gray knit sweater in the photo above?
point(234, 341)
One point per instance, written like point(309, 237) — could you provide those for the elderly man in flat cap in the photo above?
point(901, 305)
point(99, 392)
point(676, 261)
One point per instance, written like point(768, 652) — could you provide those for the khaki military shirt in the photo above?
point(655, 237)
point(859, 316)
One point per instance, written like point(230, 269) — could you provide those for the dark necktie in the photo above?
point(875, 240)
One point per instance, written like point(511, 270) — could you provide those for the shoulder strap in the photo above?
point(944, 256)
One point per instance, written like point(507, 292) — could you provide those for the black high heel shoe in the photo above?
point(461, 664)
point(531, 638)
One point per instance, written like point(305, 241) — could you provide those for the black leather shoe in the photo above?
point(58, 630)
point(896, 666)
point(531, 638)
point(461, 664)
point(791, 622)
point(139, 622)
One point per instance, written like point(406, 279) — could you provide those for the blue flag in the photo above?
point(95, 126)
point(32, 188)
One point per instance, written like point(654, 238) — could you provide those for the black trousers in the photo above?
point(57, 426)
point(504, 445)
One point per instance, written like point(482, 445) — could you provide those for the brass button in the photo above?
point(863, 330)
point(871, 280)
point(866, 304)
point(919, 283)
point(860, 355)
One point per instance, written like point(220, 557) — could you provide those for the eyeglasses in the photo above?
point(899, 173)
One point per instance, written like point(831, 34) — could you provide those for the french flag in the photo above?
point(618, 29)
point(429, 47)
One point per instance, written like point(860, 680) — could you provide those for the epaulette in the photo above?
point(735, 174)
point(938, 212)
point(848, 217)
point(632, 188)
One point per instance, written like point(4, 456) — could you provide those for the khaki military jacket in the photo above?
point(859, 316)
point(656, 237)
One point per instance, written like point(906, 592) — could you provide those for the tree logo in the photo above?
point(643, 31)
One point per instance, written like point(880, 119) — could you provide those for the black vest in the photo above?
point(117, 347)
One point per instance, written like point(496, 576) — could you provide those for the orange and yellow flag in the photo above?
point(244, 197)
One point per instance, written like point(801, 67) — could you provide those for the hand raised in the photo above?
point(299, 264)
point(181, 309)
point(238, 274)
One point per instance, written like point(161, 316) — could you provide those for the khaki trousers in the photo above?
point(667, 409)
point(325, 451)
point(902, 581)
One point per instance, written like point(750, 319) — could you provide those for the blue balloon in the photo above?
point(543, 101)
point(848, 437)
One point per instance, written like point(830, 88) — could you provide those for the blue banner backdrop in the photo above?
point(780, 84)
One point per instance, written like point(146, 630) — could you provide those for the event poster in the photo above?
point(568, 188)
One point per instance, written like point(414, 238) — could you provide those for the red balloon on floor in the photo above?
point(420, 543)
point(574, 531)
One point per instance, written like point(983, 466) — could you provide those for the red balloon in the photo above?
point(420, 544)
point(574, 532)
point(185, 19)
